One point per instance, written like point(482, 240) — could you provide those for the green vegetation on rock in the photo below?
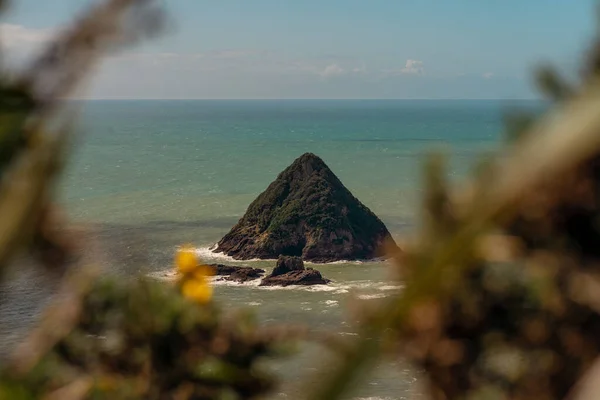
point(306, 212)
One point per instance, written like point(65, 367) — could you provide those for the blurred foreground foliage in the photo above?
point(103, 339)
point(502, 284)
point(145, 341)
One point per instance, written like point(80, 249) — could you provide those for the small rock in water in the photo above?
point(236, 273)
point(287, 264)
point(291, 271)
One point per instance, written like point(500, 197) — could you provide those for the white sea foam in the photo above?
point(391, 287)
point(170, 275)
point(340, 262)
point(335, 288)
point(361, 284)
point(219, 281)
point(374, 398)
point(371, 296)
point(254, 303)
point(166, 275)
point(331, 303)
point(210, 253)
point(373, 260)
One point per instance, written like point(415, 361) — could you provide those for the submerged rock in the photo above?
point(306, 212)
point(291, 271)
point(237, 274)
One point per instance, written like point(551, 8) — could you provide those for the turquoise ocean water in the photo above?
point(149, 175)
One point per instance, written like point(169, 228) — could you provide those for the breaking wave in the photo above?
point(209, 253)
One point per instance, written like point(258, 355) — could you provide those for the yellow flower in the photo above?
point(186, 260)
point(193, 279)
point(204, 270)
point(197, 289)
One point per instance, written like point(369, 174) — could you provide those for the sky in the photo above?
point(400, 49)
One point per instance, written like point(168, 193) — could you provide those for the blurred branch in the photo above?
point(34, 133)
point(110, 25)
point(76, 390)
point(56, 323)
point(551, 84)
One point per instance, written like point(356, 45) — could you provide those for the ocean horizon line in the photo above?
point(306, 99)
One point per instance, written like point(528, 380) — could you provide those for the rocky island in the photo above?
point(306, 212)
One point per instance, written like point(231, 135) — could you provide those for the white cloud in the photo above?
point(360, 70)
point(488, 75)
point(17, 35)
point(332, 70)
point(277, 75)
point(413, 67)
point(242, 61)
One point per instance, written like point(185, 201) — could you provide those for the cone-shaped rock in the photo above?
point(306, 212)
